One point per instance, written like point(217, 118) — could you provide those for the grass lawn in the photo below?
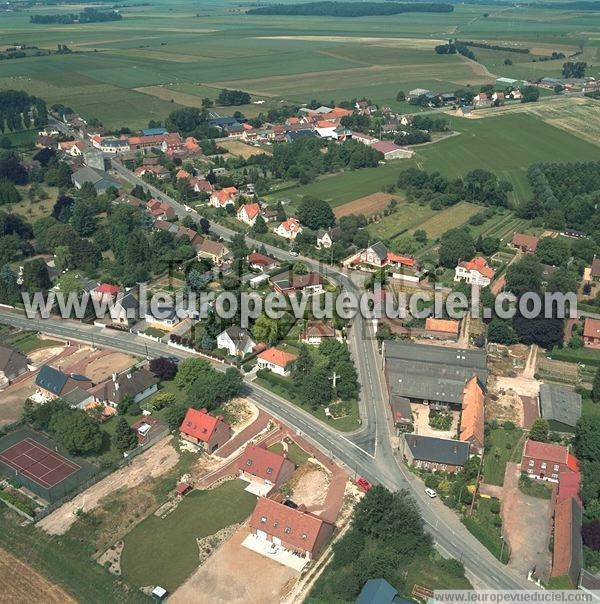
point(295, 453)
point(154, 332)
point(448, 219)
point(589, 407)
point(503, 447)
point(434, 572)
point(27, 342)
point(163, 551)
point(535, 489)
point(285, 388)
point(481, 525)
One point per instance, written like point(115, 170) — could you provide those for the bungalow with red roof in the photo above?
point(546, 461)
point(105, 292)
point(223, 197)
point(213, 250)
point(288, 229)
point(276, 360)
point(290, 536)
point(260, 262)
point(156, 170)
point(391, 150)
point(248, 213)
point(475, 272)
point(525, 243)
point(201, 185)
point(204, 430)
point(591, 333)
point(72, 148)
point(160, 210)
point(264, 469)
point(289, 283)
point(316, 332)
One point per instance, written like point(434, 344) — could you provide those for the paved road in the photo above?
point(368, 452)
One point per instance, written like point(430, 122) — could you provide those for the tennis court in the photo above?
point(36, 461)
point(40, 464)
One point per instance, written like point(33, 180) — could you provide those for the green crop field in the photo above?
point(196, 48)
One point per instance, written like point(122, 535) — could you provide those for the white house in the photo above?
point(275, 360)
point(325, 239)
point(223, 197)
point(139, 385)
point(166, 318)
point(289, 229)
point(475, 272)
point(115, 145)
point(248, 213)
point(236, 341)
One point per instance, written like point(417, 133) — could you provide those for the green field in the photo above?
point(163, 551)
point(197, 48)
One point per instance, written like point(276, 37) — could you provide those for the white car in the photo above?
point(293, 253)
point(430, 493)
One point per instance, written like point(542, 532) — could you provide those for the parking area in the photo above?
point(527, 526)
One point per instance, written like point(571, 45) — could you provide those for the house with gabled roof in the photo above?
point(316, 332)
point(236, 340)
point(223, 197)
point(290, 536)
point(264, 470)
point(248, 213)
point(205, 430)
point(53, 383)
point(561, 407)
point(567, 554)
point(138, 384)
point(472, 417)
point(434, 454)
point(289, 283)
point(261, 262)
point(441, 329)
point(276, 360)
point(525, 243)
point(326, 238)
point(160, 210)
point(12, 364)
point(546, 461)
point(288, 229)
point(591, 333)
point(475, 272)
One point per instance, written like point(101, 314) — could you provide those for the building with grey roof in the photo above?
point(99, 179)
point(560, 406)
point(12, 364)
point(434, 374)
point(431, 453)
point(138, 385)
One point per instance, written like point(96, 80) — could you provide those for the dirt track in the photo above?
point(20, 583)
point(154, 462)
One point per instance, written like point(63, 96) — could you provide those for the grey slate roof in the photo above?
point(378, 591)
point(130, 383)
point(380, 249)
point(560, 404)
point(239, 335)
point(438, 450)
point(99, 179)
point(433, 373)
point(51, 379)
point(12, 362)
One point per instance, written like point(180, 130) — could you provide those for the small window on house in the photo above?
point(304, 536)
point(275, 524)
point(531, 462)
point(263, 520)
point(556, 467)
point(248, 462)
point(269, 470)
point(287, 530)
point(544, 466)
point(554, 475)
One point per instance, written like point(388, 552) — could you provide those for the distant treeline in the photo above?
point(453, 48)
point(593, 5)
point(524, 51)
point(89, 15)
point(351, 9)
point(19, 111)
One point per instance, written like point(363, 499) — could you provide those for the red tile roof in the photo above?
point(479, 264)
point(107, 288)
point(294, 527)
point(441, 325)
point(277, 357)
point(529, 242)
point(385, 147)
point(318, 329)
point(591, 328)
point(472, 416)
point(261, 462)
point(260, 259)
point(546, 451)
point(573, 463)
point(565, 513)
point(199, 424)
point(568, 485)
point(252, 210)
point(403, 260)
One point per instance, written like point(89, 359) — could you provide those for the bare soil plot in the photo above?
point(40, 356)
point(13, 398)
point(237, 575)
point(370, 204)
point(20, 583)
point(415, 43)
point(103, 365)
point(309, 485)
point(242, 149)
point(156, 461)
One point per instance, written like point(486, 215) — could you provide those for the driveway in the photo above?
point(527, 526)
point(235, 574)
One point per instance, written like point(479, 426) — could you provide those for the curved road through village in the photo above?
point(370, 452)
